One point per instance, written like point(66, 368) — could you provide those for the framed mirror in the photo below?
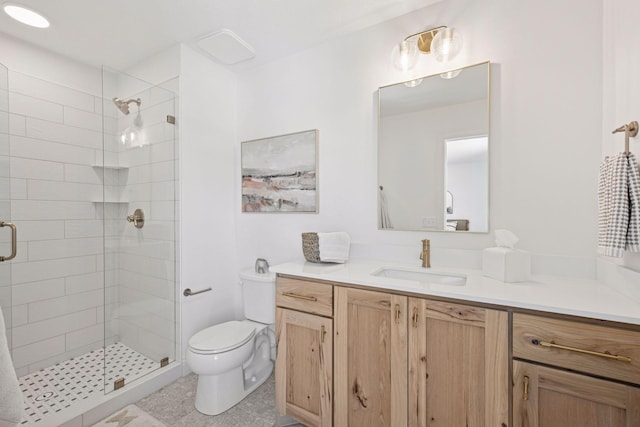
point(433, 148)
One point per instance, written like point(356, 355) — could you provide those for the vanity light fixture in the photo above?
point(445, 43)
point(25, 15)
point(413, 83)
point(450, 74)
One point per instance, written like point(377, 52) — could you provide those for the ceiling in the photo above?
point(122, 33)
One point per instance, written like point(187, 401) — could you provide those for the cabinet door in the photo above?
point(304, 367)
point(370, 358)
point(550, 397)
point(458, 365)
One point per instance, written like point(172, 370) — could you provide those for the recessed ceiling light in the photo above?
point(26, 16)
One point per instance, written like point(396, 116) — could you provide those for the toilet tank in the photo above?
point(259, 294)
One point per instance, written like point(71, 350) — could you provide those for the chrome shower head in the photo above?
point(124, 105)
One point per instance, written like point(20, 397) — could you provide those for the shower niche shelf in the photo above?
point(110, 167)
point(117, 169)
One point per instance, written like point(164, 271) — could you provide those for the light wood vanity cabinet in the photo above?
point(304, 363)
point(546, 396)
point(370, 381)
point(550, 395)
point(353, 357)
point(458, 365)
point(397, 361)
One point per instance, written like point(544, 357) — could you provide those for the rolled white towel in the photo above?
point(334, 247)
point(10, 395)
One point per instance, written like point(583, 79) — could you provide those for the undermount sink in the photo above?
point(423, 276)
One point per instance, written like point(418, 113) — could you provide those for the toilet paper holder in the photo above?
point(188, 292)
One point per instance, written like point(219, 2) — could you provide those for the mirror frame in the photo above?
point(379, 185)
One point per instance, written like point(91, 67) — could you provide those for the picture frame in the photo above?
point(280, 173)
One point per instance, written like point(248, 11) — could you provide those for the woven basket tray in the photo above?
point(310, 247)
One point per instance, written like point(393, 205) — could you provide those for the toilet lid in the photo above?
point(223, 337)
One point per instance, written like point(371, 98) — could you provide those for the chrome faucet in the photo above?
point(425, 255)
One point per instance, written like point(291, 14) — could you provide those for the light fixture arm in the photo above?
point(137, 101)
point(424, 41)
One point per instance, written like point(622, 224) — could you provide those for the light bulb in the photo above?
point(404, 55)
point(413, 83)
point(446, 45)
point(450, 74)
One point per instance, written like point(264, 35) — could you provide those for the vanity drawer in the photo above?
point(304, 295)
point(599, 350)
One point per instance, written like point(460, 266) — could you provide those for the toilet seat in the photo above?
point(222, 338)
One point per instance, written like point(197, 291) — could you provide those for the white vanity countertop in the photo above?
point(578, 297)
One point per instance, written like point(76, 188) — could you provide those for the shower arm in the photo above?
point(123, 105)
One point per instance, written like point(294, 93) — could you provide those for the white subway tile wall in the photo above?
point(84, 276)
point(145, 258)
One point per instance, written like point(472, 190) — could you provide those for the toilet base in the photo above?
point(228, 388)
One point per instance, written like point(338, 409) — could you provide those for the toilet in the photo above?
point(233, 358)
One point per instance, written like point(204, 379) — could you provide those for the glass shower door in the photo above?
point(139, 228)
point(7, 232)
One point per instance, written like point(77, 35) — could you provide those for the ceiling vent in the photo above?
point(226, 47)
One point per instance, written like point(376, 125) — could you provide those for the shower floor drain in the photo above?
point(44, 396)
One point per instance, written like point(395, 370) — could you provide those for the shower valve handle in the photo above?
point(137, 218)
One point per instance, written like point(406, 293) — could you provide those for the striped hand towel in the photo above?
point(633, 232)
point(619, 206)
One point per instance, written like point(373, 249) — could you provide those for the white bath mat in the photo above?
point(131, 416)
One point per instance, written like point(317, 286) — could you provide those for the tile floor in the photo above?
point(51, 390)
point(174, 406)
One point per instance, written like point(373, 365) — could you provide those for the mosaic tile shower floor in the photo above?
point(51, 390)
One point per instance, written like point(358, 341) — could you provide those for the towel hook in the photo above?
point(630, 130)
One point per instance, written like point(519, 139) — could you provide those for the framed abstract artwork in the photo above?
point(280, 173)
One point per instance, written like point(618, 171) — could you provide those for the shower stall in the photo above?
point(89, 181)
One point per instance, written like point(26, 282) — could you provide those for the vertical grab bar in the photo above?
point(14, 241)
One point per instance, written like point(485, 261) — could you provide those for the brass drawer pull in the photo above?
point(397, 313)
point(579, 350)
point(415, 317)
point(525, 392)
point(304, 297)
point(322, 334)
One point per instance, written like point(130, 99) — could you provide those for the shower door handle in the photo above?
point(14, 241)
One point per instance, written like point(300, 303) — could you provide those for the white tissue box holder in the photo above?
point(506, 265)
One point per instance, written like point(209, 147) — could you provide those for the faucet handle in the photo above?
point(425, 253)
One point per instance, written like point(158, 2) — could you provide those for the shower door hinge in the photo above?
point(118, 384)
point(171, 119)
point(164, 362)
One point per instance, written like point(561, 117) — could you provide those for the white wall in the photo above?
point(467, 182)
point(25, 58)
point(621, 91)
point(208, 181)
point(543, 168)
